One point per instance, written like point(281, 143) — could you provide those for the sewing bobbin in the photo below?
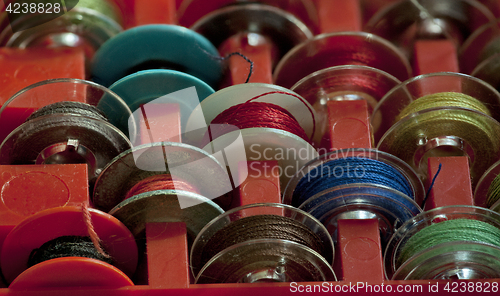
point(448, 243)
point(181, 162)
point(404, 22)
point(70, 130)
point(337, 49)
point(156, 47)
point(262, 243)
point(343, 83)
point(88, 24)
point(147, 94)
point(24, 244)
point(357, 184)
point(304, 11)
point(441, 114)
point(259, 143)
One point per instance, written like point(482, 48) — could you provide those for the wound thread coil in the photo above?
point(73, 108)
point(261, 227)
point(160, 182)
point(493, 194)
point(66, 246)
point(364, 170)
point(443, 99)
point(457, 230)
point(257, 114)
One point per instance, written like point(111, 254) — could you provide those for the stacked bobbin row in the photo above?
point(219, 135)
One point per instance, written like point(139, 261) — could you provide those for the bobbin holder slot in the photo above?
point(158, 288)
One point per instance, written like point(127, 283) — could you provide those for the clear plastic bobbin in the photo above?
point(60, 121)
point(450, 260)
point(263, 259)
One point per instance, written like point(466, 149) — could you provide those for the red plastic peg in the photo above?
point(262, 184)
point(453, 184)
point(159, 123)
point(29, 189)
point(155, 12)
point(167, 249)
point(339, 15)
point(24, 67)
point(435, 56)
point(349, 125)
point(358, 252)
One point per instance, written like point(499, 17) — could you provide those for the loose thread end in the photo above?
point(250, 72)
point(87, 218)
point(432, 185)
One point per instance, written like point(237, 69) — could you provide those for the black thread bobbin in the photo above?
point(66, 246)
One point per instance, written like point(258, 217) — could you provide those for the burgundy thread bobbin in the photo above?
point(259, 140)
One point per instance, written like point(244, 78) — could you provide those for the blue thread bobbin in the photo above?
point(362, 201)
point(357, 196)
point(383, 169)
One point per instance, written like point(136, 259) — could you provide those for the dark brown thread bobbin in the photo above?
point(261, 227)
point(73, 108)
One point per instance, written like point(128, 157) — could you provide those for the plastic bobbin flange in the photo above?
point(434, 132)
point(156, 47)
point(343, 83)
point(282, 28)
point(479, 54)
point(412, 89)
point(70, 135)
point(337, 49)
point(404, 22)
point(291, 151)
point(190, 11)
point(79, 26)
point(183, 161)
point(225, 98)
point(250, 261)
point(483, 186)
point(166, 206)
point(158, 87)
point(362, 201)
point(443, 131)
point(446, 261)
point(47, 225)
point(409, 174)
